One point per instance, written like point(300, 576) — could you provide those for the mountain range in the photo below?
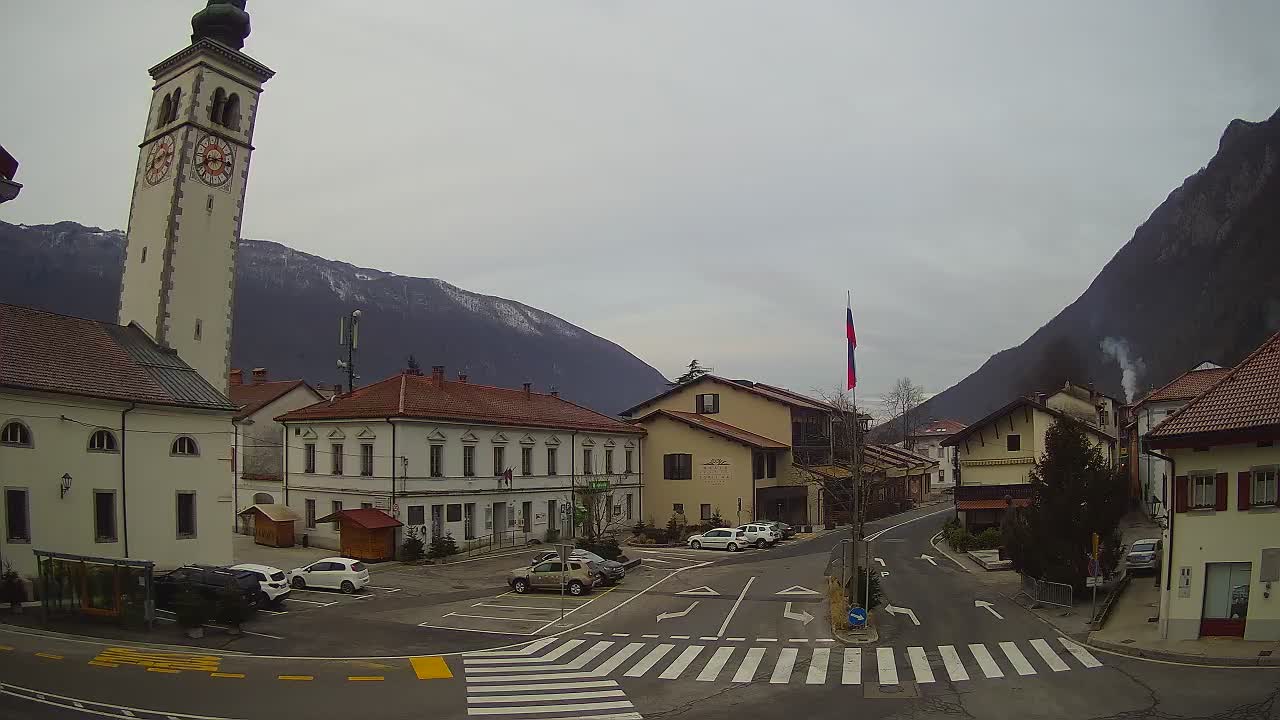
point(288, 303)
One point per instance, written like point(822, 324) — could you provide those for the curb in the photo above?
point(1182, 658)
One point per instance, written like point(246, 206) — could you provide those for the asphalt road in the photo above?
point(740, 636)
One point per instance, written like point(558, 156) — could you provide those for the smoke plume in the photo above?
point(1130, 367)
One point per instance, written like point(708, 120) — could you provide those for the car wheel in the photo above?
point(347, 587)
point(576, 588)
point(299, 583)
point(695, 545)
point(760, 544)
point(520, 585)
point(731, 547)
point(264, 600)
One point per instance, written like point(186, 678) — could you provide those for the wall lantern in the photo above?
point(66, 485)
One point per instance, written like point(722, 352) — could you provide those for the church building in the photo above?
point(115, 438)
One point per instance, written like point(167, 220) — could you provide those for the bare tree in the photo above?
point(902, 401)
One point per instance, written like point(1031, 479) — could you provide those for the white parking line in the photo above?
point(725, 625)
point(311, 602)
point(516, 607)
point(490, 617)
point(273, 612)
point(388, 589)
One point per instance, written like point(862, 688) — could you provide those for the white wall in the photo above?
point(260, 450)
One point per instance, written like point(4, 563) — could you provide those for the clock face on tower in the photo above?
point(214, 160)
point(159, 159)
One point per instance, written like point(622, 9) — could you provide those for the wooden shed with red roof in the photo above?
point(367, 533)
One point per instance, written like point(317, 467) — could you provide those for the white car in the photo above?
point(275, 586)
point(730, 539)
point(334, 573)
point(760, 534)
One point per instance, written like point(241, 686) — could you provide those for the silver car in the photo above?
point(1143, 556)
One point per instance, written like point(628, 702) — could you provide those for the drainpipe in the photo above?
point(284, 476)
point(573, 484)
point(393, 476)
point(124, 495)
point(235, 476)
point(1173, 470)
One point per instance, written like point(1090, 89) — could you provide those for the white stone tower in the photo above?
point(188, 193)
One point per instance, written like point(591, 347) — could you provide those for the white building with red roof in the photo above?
point(926, 440)
point(484, 464)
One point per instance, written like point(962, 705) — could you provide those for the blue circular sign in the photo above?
point(857, 617)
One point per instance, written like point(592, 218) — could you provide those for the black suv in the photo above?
point(209, 581)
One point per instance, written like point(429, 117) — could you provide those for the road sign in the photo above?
point(857, 617)
point(1092, 581)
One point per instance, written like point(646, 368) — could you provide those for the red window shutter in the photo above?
point(1220, 487)
point(1242, 490)
point(1181, 490)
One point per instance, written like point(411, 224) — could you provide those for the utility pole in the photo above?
point(349, 338)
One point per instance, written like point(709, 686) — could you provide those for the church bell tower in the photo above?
point(188, 192)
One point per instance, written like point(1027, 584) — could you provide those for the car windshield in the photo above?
point(1144, 546)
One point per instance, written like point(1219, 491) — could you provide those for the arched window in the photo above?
point(215, 109)
point(165, 106)
point(184, 446)
point(231, 112)
point(102, 441)
point(263, 499)
point(15, 433)
point(173, 109)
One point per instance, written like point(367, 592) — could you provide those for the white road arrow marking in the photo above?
point(802, 616)
point(704, 590)
point(930, 559)
point(881, 561)
point(797, 590)
point(987, 605)
point(682, 613)
point(893, 610)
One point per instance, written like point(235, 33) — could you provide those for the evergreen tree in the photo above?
point(1074, 494)
point(694, 372)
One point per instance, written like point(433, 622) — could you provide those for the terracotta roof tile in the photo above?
point(723, 429)
point(48, 352)
point(421, 396)
point(1187, 385)
point(368, 518)
point(781, 395)
point(1245, 398)
point(938, 428)
point(252, 398)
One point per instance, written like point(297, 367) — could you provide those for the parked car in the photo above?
point(785, 531)
point(334, 573)
point(611, 571)
point(275, 586)
point(728, 538)
point(578, 579)
point(760, 534)
point(208, 580)
point(1144, 555)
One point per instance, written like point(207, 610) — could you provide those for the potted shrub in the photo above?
point(192, 611)
point(12, 590)
point(233, 608)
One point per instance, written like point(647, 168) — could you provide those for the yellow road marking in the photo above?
point(173, 661)
point(102, 664)
point(365, 677)
point(226, 675)
point(6, 647)
point(49, 655)
point(171, 671)
point(295, 677)
point(430, 667)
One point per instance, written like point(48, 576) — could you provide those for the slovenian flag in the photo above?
point(853, 344)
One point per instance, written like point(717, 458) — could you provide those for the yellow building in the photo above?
point(994, 457)
point(1221, 563)
point(730, 447)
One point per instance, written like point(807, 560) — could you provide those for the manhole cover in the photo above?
point(899, 691)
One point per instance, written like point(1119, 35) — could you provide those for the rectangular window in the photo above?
point(1013, 442)
point(630, 508)
point(186, 515)
point(552, 515)
point(1204, 492)
point(708, 404)
point(453, 512)
point(417, 514)
point(104, 516)
point(757, 466)
point(366, 459)
point(677, 466)
point(309, 457)
point(526, 461)
point(677, 508)
point(17, 517)
point(335, 507)
point(608, 461)
point(587, 468)
point(311, 514)
point(771, 465)
point(499, 460)
point(705, 509)
point(551, 461)
point(437, 461)
point(1263, 491)
point(626, 462)
point(336, 451)
point(469, 460)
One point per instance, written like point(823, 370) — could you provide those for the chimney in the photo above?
point(237, 376)
point(437, 375)
point(462, 377)
point(259, 375)
point(528, 390)
point(337, 388)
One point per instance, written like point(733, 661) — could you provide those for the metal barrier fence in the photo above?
point(1048, 593)
point(495, 541)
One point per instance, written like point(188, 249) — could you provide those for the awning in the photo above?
point(272, 511)
point(991, 504)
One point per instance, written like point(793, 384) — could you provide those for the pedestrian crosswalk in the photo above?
point(557, 673)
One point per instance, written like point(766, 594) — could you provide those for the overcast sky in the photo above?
point(688, 179)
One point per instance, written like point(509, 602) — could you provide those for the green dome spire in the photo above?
point(222, 20)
